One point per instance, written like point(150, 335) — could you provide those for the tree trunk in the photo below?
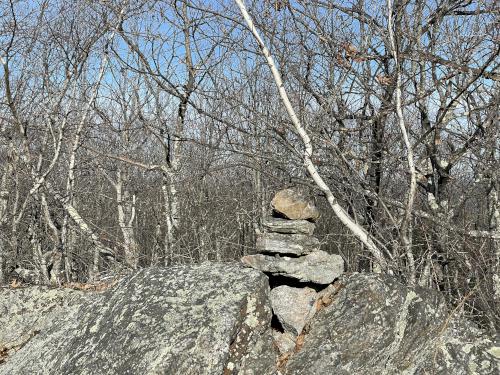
point(359, 232)
point(494, 224)
point(170, 215)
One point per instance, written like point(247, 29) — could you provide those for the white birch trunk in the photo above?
point(406, 223)
point(126, 217)
point(359, 232)
point(170, 215)
point(67, 248)
point(67, 201)
point(494, 212)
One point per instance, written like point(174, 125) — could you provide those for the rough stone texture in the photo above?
point(297, 244)
point(293, 306)
point(205, 319)
point(215, 319)
point(26, 311)
point(286, 226)
point(285, 341)
point(318, 267)
point(294, 205)
point(463, 349)
point(376, 325)
point(262, 359)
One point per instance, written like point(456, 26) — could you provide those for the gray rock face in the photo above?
point(463, 349)
point(261, 359)
point(294, 205)
point(284, 341)
point(277, 225)
point(293, 307)
point(215, 319)
point(206, 319)
point(318, 267)
point(376, 325)
point(26, 311)
point(298, 244)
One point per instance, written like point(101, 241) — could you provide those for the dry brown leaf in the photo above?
point(280, 4)
point(3, 354)
point(350, 50)
point(326, 300)
point(383, 80)
point(300, 342)
point(282, 360)
point(15, 284)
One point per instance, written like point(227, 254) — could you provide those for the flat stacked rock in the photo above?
point(294, 205)
point(288, 248)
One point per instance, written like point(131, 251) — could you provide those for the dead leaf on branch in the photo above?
point(384, 80)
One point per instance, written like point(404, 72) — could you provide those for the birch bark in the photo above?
point(406, 230)
point(358, 231)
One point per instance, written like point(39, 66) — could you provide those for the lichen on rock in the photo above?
point(178, 320)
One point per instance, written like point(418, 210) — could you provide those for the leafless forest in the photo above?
point(154, 132)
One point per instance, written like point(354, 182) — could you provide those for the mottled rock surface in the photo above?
point(293, 306)
point(286, 226)
point(297, 244)
point(26, 311)
point(205, 319)
point(261, 359)
point(215, 319)
point(375, 325)
point(318, 267)
point(294, 205)
point(284, 341)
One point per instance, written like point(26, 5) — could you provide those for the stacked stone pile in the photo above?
point(288, 248)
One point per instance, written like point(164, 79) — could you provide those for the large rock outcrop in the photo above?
point(215, 319)
point(25, 312)
point(376, 325)
point(206, 319)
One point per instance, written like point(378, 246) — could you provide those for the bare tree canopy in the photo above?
point(138, 133)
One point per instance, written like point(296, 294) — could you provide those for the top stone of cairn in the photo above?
point(294, 205)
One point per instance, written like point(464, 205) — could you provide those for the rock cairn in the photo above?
point(289, 250)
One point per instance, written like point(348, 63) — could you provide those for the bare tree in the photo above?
point(150, 132)
point(344, 217)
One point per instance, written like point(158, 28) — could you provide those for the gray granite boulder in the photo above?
point(294, 205)
point(375, 325)
point(293, 307)
point(318, 267)
point(26, 311)
point(277, 225)
point(261, 359)
point(205, 319)
point(297, 244)
point(284, 341)
point(215, 319)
